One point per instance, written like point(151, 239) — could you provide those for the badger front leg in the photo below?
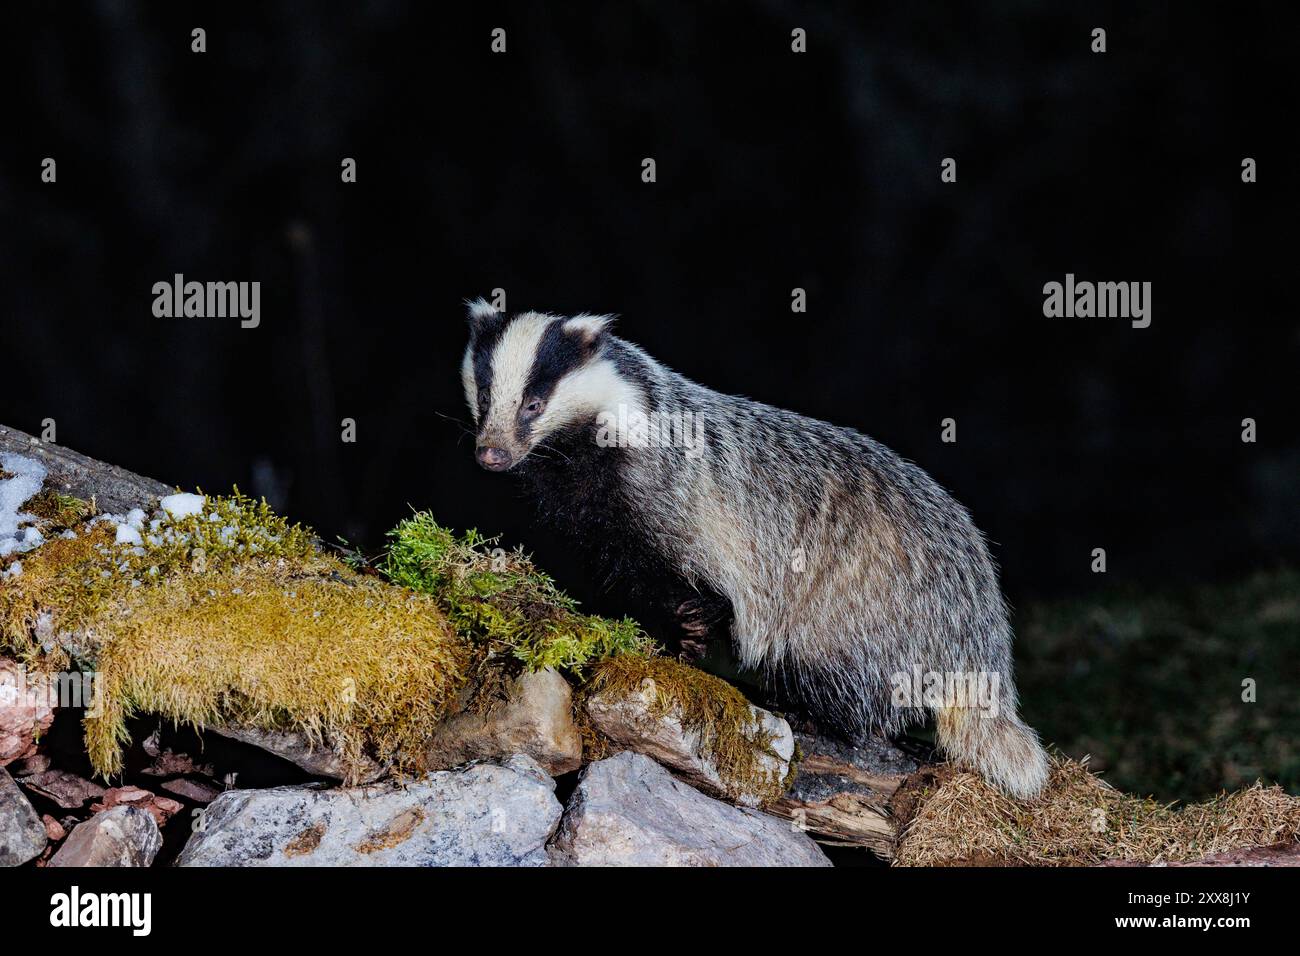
point(701, 619)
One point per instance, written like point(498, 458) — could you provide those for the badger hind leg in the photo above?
point(1003, 749)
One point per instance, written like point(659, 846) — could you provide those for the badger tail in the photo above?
point(1004, 751)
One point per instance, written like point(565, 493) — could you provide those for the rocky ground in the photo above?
point(516, 793)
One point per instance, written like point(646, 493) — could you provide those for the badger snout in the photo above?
point(494, 459)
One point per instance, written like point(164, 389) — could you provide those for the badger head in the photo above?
point(530, 376)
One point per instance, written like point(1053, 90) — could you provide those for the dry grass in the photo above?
point(1080, 820)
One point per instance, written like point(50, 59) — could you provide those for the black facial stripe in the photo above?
point(558, 353)
point(483, 342)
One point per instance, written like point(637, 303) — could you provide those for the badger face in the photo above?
point(531, 375)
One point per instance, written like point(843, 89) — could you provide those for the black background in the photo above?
point(775, 170)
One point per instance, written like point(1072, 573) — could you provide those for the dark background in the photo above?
point(776, 170)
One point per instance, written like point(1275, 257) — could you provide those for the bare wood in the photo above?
point(71, 473)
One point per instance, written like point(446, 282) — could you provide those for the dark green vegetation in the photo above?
point(1151, 685)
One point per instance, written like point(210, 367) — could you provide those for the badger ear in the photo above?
point(481, 313)
point(588, 329)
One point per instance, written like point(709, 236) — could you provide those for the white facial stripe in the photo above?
point(467, 380)
point(511, 362)
point(588, 391)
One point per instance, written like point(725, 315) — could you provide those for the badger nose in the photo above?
point(494, 459)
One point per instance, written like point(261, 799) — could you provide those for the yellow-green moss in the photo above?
point(360, 663)
point(59, 510)
point(234, 616)
point(708, 706)
point(501, 601)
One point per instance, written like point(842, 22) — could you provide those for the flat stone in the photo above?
point(484, 815)
point(66, 789)
point(629, 811)
point(196, 790)
point(320, 761)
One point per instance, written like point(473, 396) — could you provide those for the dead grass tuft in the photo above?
point(1080, 820)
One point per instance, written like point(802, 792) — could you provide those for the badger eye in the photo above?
point(482, 401)
point(534, 407)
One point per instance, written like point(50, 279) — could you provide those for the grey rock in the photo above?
point(322, 761)
point(629, 811)
point(535, 718)
point(484, 815)
point(124, 836)
point(22, 834)
point(630, 720)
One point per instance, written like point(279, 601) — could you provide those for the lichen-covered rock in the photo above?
point(485, 815)
point(22, 834)
point(534, 718)
point(25, 713)
point(124, 836)
point(652, 719)
point(629, 811)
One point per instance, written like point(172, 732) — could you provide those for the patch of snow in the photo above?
point(27, 477)
point(183, 505)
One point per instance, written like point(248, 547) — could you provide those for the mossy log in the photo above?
point(853, 795)
point(71, 473)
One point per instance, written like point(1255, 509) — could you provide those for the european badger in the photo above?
point(840, 569)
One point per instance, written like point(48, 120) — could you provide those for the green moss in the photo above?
point(501, 601)
point(712, 709)
point(59, 510)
